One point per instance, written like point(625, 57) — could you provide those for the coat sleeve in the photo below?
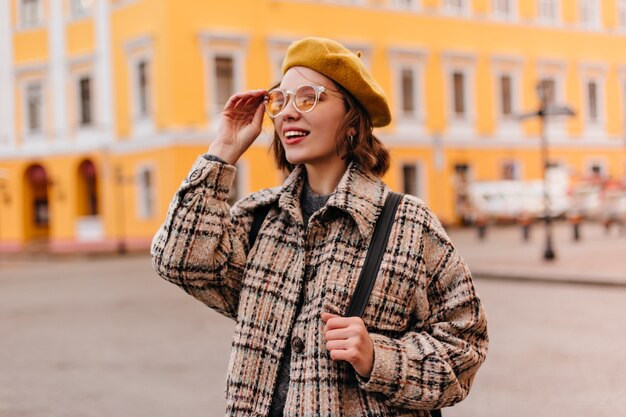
point(201, 247)
point(433, 365)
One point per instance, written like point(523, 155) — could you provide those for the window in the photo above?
point(146, 193)
point(30, 13)
point(507, 70)
point(459, 96)
point(589, 13)
point(506, 99)
point(408, 66)
point(81, 7)
point(143, 84)
point(503, 8)
point(34, 108)
point(548, 90)
point(462, 181)
point(621, 13)
point(456, 6)
point(224, 57)
point(592, 101)
point(85, 105)
point(548, 11)
point(550, 87)
point(224, 80)
point(411, 179)
point(88, 189)
point(405, 4)
point(408, 92)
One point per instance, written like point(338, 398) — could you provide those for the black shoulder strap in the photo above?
point(260, 213)
point(374, 256)
point(373, 259)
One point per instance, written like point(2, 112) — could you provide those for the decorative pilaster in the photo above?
point(104, 68)
point(7, 86)
point(58, 71)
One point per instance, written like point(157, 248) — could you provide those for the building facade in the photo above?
point(106, 104)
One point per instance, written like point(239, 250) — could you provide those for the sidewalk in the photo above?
point(598, 258)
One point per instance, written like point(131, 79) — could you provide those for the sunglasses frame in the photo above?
point(319, 89)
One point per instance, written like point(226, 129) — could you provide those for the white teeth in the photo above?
point(294, 133)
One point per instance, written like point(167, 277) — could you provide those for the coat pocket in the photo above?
point(386, 313)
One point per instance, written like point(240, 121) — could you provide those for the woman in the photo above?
point(423, 334)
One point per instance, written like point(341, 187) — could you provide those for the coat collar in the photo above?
point(359, 194)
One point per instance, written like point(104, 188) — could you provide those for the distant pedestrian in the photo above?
point(423, 335)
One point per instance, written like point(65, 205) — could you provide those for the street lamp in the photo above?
point(545, 91)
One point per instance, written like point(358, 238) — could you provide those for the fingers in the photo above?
point(245, 99)
point(326, 316)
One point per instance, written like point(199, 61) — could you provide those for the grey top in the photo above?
point(310, 203)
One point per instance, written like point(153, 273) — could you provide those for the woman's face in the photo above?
point(311, 138)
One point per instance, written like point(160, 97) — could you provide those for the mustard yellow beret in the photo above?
point(345, 68)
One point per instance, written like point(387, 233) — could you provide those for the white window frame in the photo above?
point(556, 70)
point(421, 172)
point(80, 9)
point(22, 24)
point(29, 132)
point(498, 15)
point(594, 129)
point(621, 15)
point(452, 10)
point(212, 45)
point(24, 75)
point(139, 50)
point(465, 63)
point(545, 20)
point(413, 5)
point(80, 67)
point(143, 211)
point(413, 59)
point(592, 21)
point(508, 128)
point(277, 48)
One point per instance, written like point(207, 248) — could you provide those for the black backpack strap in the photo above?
point(260, 213)
point(374, 256)
point(373, 260)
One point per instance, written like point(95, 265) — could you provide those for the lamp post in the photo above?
point(545, 91)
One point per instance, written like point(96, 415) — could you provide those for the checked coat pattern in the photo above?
point(424, 317)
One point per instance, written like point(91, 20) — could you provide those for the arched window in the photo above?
point(87, 189)
point(38, 183)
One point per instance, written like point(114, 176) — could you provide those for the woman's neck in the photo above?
point(323, 180)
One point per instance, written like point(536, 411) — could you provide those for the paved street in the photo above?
point(105, 337)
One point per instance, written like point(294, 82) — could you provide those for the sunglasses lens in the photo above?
point(275, 102)
point(306, 98)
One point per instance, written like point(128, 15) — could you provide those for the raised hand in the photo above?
point(348, 340)
point(240, 125)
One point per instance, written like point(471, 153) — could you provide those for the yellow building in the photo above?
point(105, 104)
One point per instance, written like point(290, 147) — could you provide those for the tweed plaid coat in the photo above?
point(425, 320)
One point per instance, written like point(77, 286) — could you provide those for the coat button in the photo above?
point(194, 175)
point(297, 345)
